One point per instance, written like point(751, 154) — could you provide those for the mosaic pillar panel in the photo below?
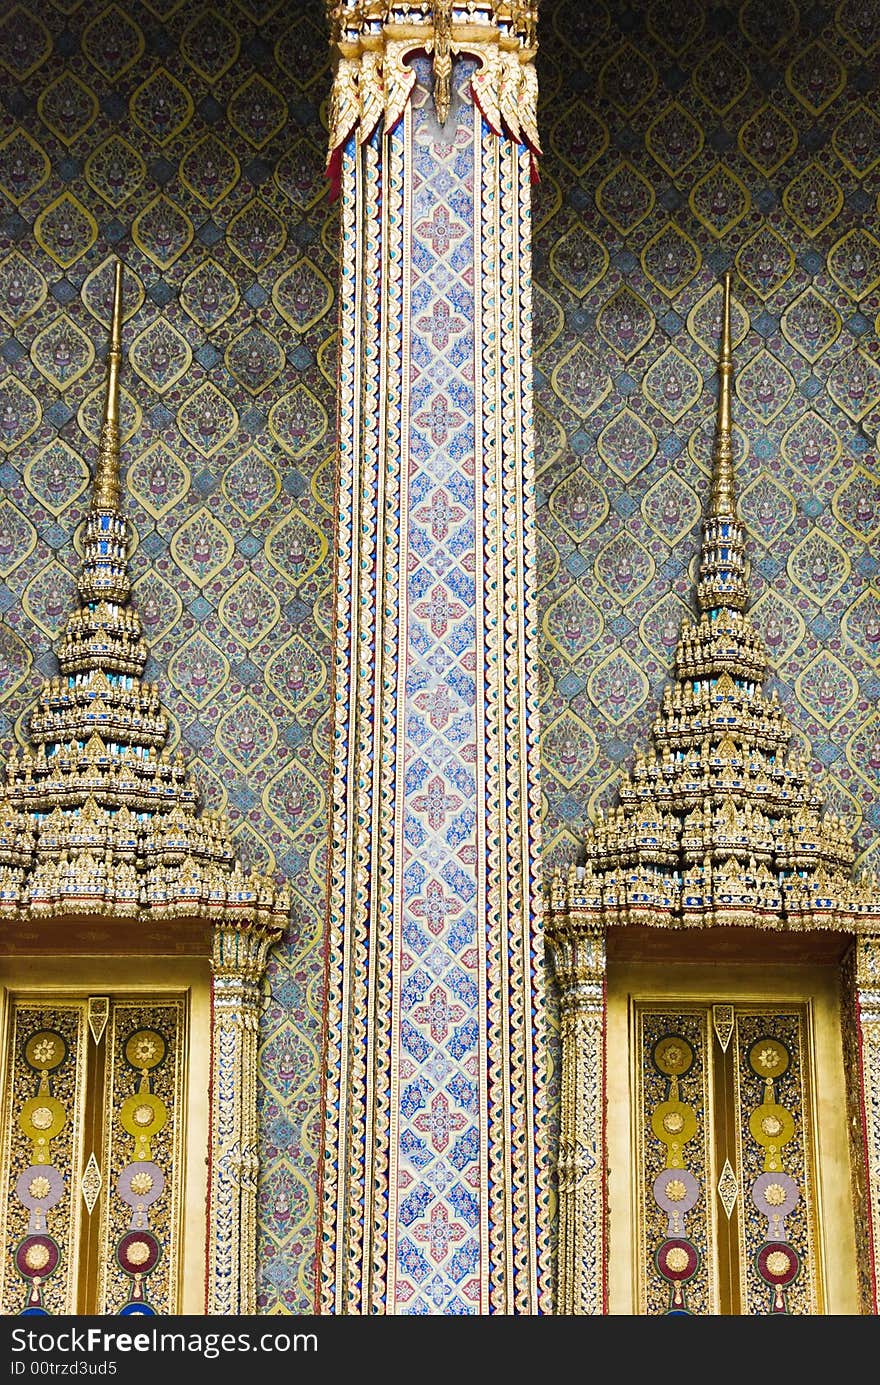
point(92, 1157)
point(728, 1218)
point(434, 1183)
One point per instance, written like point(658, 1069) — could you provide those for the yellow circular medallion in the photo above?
point(674, 1124)
point(673, 1055)
point(42, 1118)
point(769, 1058)
point(145, 1049)
point(771, 1125)
point(143, 1115)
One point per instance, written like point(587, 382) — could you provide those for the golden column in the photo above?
point(434, 1182)
point(238, 961)
point(863, 1058)
point(578, 951)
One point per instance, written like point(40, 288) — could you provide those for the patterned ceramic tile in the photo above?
point(190, 141)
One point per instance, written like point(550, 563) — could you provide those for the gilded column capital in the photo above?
point(867, 976)
point(867, 958)
point(239, 956)
point(578, 953)
point(372, 40)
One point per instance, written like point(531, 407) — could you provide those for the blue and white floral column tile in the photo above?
point(434, 1194)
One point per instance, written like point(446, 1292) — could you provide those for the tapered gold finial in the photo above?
point(723, 567)
point(107, 492)
point(723, 499)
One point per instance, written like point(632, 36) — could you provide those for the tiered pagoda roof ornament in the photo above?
point(97, 817)
point(719, 823)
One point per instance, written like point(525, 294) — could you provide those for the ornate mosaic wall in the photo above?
point(679, 140)
point(188, 139)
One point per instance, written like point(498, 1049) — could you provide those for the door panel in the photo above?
point(93, 1099)
point(778, 1263)
point(726, 1204)
point(676, 1224)
point(143, 1101)
point(43, 1105)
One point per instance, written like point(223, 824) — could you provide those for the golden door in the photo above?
point(98, 1108)
point(729, 1188)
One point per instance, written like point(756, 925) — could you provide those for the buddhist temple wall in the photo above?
point(190, 139)
point(679, 141)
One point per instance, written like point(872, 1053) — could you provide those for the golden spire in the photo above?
point(106, 492)
point(721, 821)
point(722, 501)
point(441, 15)
point(96, 814)
point(104, 573)
point(722, 580)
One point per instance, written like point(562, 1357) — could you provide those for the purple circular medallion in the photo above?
point(140, 1184)
point(677, 1260)
point(138, 1252)
point(37, 1257)
point(676, 1191)
point(776, 1195)
point(39, 1187)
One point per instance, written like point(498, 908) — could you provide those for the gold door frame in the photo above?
point(590, 1276)
point(221, 969)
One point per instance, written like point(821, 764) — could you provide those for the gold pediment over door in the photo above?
point(729, 1179)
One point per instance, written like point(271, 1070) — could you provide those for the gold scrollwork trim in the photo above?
point(867, 963)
